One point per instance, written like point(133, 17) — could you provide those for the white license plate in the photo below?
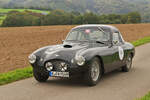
point(58, 74)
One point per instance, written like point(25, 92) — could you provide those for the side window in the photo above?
point(116, 39)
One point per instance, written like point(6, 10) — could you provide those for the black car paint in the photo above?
point(107, 53)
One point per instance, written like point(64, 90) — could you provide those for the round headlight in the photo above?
point(80, 60)
point(32, 58)
point(49, 66)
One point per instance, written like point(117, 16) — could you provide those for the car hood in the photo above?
point(65, 51)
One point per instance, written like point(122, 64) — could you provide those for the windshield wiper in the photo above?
point(100, 42)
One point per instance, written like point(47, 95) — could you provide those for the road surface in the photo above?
point(113, 86)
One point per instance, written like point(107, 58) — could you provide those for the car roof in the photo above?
point(98, 25)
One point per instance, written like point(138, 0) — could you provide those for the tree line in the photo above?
point(60, 17)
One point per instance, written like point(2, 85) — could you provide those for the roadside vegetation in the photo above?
point(141, 41)
point(19, 74)
point(146, 97)
point(60, 17)
point(4, 12)
point(1, 19)
point(15, 75)
point(97, 6)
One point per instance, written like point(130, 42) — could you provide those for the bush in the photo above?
point(134, 17)
point(25, 18)
point(58, 17)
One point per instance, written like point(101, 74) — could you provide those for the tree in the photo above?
point(21, 19)
point(57, 17)
point(134, 17)
point(78, 20)
point(60, 17)
point(90, 18)
point(124, 18)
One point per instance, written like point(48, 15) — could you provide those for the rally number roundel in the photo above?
point(121, 53)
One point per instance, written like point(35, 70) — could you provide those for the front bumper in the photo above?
point(73, 69)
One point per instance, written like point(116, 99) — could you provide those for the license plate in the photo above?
point(58, 74)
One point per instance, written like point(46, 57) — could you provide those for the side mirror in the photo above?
point(115, 42)
point(115, 38)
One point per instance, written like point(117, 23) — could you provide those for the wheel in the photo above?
point(39, 76)
point(128, 65)
point(94, 72)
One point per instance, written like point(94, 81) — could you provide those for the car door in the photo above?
point(118, 50)
point(110, 58)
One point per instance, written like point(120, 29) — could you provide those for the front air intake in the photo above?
point(67, 46)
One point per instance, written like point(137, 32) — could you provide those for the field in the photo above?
point(17, 43)
point(5, 11)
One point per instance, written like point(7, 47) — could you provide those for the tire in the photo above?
point(39, 76)
point(128, 65)
point(89, 76)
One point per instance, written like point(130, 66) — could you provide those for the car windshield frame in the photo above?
point(83, 28)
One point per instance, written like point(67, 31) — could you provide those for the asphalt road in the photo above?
point(113, 86)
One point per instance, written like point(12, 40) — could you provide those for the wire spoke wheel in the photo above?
point(128, 65)
point(129, 62)
point(95, 71)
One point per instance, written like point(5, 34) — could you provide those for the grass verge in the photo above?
point(146, 97)
point(141, 41)
point(15, 75)
point(19, 74)
point(1, 19)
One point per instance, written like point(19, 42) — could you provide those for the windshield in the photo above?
point(88, 34)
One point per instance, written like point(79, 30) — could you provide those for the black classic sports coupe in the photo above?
point(88, 50)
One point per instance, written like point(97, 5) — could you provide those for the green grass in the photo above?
point(19, 74)
point(141, 41)
point(15, 75)
point(146, 97)
point(1, 19)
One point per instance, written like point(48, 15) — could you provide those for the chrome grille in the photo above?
point(59, 65)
